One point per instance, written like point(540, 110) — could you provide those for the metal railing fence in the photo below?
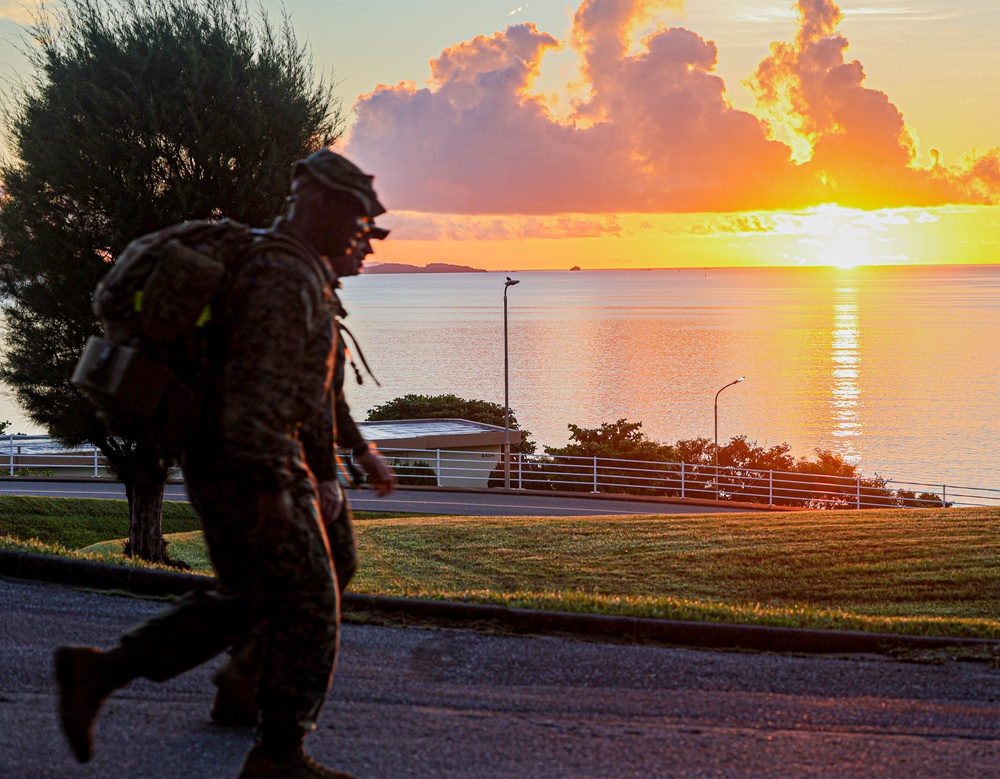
point(687, 480)
point(42, 456)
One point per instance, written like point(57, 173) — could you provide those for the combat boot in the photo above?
point(293, 765)
point(236, 685)
point(233, 705)
point(86, 677)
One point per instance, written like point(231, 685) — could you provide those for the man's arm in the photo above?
point(349, 436)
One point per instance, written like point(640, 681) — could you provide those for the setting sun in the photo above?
point(845, 251)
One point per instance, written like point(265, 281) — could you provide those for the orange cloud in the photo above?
point(416, 226)
point(656, 134)
point(857, 148)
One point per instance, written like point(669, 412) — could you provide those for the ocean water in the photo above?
point(895, 368)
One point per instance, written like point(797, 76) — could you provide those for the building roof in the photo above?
point(435, 434)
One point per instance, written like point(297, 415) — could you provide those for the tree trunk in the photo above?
point(145, 527)
point(143, 471)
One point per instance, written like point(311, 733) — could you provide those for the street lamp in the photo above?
point(730, 384)
point(506, 388)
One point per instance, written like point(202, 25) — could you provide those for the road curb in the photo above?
point(706, 635)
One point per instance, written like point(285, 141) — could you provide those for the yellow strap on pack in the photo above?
point(204, 319)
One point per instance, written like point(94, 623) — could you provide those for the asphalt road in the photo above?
point(494, 504)
point(452, 704)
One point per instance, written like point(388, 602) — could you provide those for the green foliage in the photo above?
point(141, 114)
point(450, 407)
point(827, 482)
point(621, 440)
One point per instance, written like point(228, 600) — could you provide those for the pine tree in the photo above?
point(140, 114)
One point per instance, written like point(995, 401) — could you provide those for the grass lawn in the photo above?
point(926, 572)
point(929, 572)
point(78, 522)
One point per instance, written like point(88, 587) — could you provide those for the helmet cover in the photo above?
point(336, 172)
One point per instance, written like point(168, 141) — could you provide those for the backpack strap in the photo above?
point(342, 328)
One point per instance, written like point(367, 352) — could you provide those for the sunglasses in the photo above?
point(367, 229)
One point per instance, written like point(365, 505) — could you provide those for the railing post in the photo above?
point(95, 462)
point(595, 473)
point(770, 488)
point(859, 493)
point(11, 454)
point(682, 480)
point(438, 467)
point(944, 496)
point(520, 459)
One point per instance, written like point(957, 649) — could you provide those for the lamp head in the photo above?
point(511, 282)
point(740, 379)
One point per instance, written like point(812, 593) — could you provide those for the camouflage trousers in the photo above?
point(343, 547)
point(276, 579)
point(248, 653)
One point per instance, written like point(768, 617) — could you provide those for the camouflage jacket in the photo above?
point(334, 416)
point(276, 385)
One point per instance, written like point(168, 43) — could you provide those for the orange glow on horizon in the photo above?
point(828, 235)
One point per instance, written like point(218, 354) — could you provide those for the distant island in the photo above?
point(433, 267)
point(575, 267)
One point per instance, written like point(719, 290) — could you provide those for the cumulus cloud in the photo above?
point(856, 145)
point(655, 133)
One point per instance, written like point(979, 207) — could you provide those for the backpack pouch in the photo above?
point(116, 376)
point(177, 292)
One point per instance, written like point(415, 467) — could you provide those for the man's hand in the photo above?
point(330, 500)
point(382, 478)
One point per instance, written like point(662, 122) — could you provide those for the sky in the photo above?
point(514, 135)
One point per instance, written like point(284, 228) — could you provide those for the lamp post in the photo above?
point(506, 388)
point(730, 384)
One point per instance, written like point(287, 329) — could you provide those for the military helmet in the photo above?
point(336, 172)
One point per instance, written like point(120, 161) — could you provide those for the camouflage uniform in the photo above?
point(268, 408)
point(335, 427)
point(238, 680)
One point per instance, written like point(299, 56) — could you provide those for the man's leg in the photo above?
point(300, 651)
point(266, 567)
point(236, 682)
point(196, 629)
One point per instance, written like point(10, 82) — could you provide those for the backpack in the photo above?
point(147, 376)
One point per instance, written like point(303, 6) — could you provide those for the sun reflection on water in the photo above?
point(845, 358)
